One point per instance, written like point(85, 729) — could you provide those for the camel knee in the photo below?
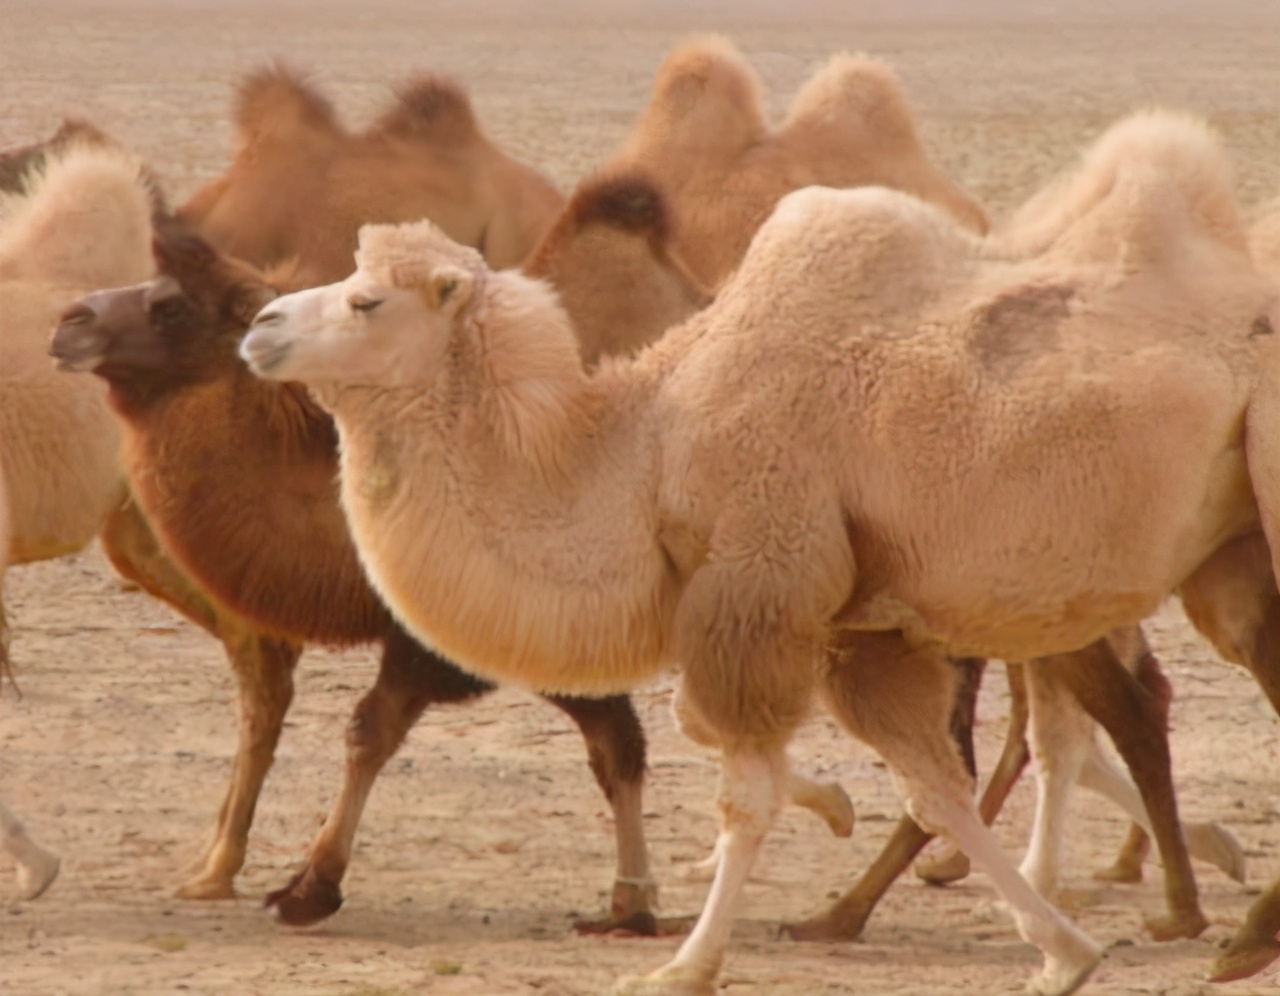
point(753, 790)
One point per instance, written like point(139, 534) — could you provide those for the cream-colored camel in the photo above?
point(36, 867)
point(705, 140)
point(300, 184)
point(887, 440)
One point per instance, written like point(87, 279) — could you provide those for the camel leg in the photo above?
point(1134, 709)
point(37, 868)
point(1207, 841)
point(847, 917)
point(1061, 734)
point(263, 668)
point(616, 752)
point(410, 678)
point(827, 800)
point(1232, 599)
point(897, 699)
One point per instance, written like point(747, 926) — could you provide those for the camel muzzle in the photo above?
point(78, 343)
point(262, 350)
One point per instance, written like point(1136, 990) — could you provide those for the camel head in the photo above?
point(181, 327)
point(610, 259)
point(390, 323)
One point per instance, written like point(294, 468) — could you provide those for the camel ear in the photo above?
point(450, 288)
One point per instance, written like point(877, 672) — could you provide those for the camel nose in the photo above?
point(77, 314)
point(267, 316)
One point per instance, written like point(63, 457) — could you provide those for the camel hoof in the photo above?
point(1217, 845)
point(944, 869)
point(668, 981)
point(641, 923)
point(206, 887)
point(1059, 978)
point(1175, 926)
point(837, 809)
point(1123, 871)
point(36, 873)
point(307, 899)
point(827, 927)
point(1244, 959)
point(700, 871)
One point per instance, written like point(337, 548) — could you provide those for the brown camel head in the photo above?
point(609, 257)
point(180, 328)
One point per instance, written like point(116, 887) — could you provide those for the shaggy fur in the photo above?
point(300, 184)
point(843, 470)
point(704, 139)
point(610, 259)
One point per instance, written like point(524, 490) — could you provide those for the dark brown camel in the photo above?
point(300, 184)
point(281, 556)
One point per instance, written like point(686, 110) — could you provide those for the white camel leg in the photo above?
point(37, 868)
point(752, 789)
point(1206, 841)
point(1061, 736)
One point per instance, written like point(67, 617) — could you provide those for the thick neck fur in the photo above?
point(237, 476)
point(504, 513)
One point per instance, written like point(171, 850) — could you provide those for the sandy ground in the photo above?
point(486, 834)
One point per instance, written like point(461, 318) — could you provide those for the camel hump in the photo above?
point(431, 107)
point(705, 92)
point(858, 101)
point(1150, 178)
point(627, 201)
point(278, 98)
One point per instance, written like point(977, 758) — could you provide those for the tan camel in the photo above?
point(300, 184)
point(36, 867)
point(886, 441)
point(704, 138)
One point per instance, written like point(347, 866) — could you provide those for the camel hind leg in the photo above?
point(410, 678)
point(1233, 600)
point(263, 668)
point(897, 700)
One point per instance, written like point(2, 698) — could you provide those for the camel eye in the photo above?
point(168, 309)
point(365, 304)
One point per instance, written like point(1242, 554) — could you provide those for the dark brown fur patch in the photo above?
point(431, 106)
point(275, 94)
point(1017, 326)
point(629, 201)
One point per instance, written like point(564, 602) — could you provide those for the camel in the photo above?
point(190, 377)
point(16, 163)
point(704, 139)
point(865, 456)
point(36, 867)
point(300, 184)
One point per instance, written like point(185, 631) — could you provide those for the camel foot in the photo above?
point(1174, 926)
point(36, 872)
point(1217, 845)
point(833, 804)
point(671, 980)
point(1128, 863)
point(701, 871)
point(1061, 977)
point(1245, 957)
point(943, 869)
point(308, 898)
point(642, 923)
point(840, 923)
point(206, 887)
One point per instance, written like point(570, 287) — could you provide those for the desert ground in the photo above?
point(486, 834)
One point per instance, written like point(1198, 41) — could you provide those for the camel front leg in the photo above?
point(752, 790)
point(37, 868)
point(896, 699)
point(410, 678)
point(616, 753)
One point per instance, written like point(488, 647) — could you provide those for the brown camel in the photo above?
point(887, 441)
point(704, 139)
point(300, 184)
